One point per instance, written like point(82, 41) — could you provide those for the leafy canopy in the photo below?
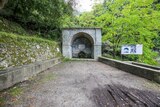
point(126, 22)
point(44, 16)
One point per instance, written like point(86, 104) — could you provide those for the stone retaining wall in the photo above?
point(17, 50)
point(148, 73)
point(15, 75)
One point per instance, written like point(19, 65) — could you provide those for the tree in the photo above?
point(43, 16)
point(131, 22)
point(2, 3)
point(127, 22)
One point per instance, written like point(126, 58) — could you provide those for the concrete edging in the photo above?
point(146, 65)
point(12, 76)
point(141, 71)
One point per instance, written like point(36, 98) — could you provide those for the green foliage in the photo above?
point(89, 20)
point(156, 42)
point(131, 22)
point(70, 21)
point(12, 27)
point(66, 59)
point(127, 22)
point(13, 37)
point(43, 16)
point(47, 12)
point(2, 3)
point(86, 19)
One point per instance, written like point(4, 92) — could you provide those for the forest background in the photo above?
point(122, 22)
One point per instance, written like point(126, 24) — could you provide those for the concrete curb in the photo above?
point(142, 71)
point(82, 59)
point(12, 76)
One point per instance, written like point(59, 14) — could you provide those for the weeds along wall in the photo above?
point(16, 50)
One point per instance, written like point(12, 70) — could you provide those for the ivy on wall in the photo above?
point(19, 50)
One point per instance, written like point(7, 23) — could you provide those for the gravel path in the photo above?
point(71, 84)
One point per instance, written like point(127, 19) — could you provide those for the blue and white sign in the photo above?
point(132, 49)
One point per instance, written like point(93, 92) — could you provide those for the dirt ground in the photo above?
point(79, 84)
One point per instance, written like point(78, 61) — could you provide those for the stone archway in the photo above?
point(81, 42)
point(82, 46)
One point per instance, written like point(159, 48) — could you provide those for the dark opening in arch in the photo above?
point(82, 46)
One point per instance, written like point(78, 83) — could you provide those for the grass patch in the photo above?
point(2, 101)
point(43, 78)
point(15, 91)
point(66, 59)
point(10, 95)
point(48, 77)
point(11, 27)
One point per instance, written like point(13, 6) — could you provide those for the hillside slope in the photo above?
point(18, 47)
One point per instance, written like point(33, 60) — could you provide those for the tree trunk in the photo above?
point(2, 3)
point(114, 51)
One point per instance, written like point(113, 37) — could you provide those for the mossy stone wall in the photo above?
point(16, 50)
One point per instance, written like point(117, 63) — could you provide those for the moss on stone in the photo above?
point(19, 50)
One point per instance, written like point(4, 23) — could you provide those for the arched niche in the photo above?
point(84, 40)
point(82, 45)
